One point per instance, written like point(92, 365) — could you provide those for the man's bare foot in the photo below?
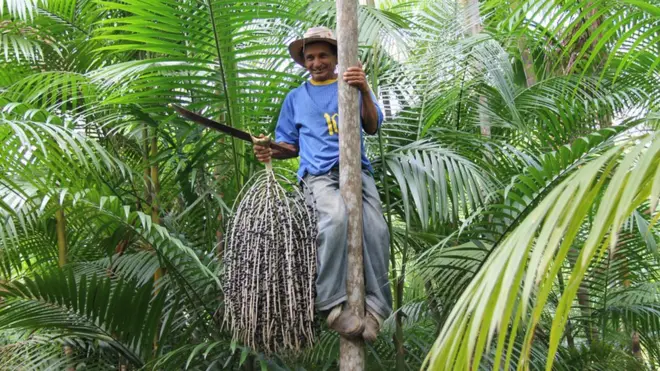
point(371, 327)
point(345, 323)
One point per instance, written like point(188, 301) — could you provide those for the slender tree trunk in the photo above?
point(155, 194)
point(579, 44)
point(350, 178)
point(155, 210)
point(473, 24)
point(61, 236)
point(525, 54)
point(60, 226)
point(584, 299)
point(527, 61)
point(400, 285)
point(569, 328)
point(146, 170)
point(635, 345)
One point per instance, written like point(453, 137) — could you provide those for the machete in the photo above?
point(236, 133)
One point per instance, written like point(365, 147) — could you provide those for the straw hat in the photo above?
point(314, 34)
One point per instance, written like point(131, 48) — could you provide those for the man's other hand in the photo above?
point(355, 76)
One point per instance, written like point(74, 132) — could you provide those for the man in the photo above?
point(307, 125)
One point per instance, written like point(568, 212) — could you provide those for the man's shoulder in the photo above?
point(298, 89)
point(295, 93)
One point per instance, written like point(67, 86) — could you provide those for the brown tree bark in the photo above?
point(350, 179)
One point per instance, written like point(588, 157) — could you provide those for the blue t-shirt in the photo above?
point(309, 119)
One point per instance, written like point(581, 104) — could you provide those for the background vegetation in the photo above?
point(518, 167)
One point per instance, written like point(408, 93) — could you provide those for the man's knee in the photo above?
point(334, 220)
point(375, 227)
point(380, 229)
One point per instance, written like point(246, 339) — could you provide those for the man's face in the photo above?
point(320, 61)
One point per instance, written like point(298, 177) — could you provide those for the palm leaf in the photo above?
point(547, 234)
point(22, 9)
point(62, 301)
point(623, 31)
point(442, 184)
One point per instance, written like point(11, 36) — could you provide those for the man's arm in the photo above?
point(355, 76)
point(369, 113)
point(285, 131)
point(284, 155)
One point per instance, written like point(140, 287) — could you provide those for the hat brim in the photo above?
point(296, 47)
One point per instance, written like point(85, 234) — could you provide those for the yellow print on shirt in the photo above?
point(332, 123)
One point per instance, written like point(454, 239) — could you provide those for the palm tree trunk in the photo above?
point(400, 285)
point(155, 190)
point(350, 180)
point(473, 24)
point(527, 61)
point(155, 208)
point(525, 55)
point(579, 44)
point(569, 328)
point(635, 344)
point(585, 307)
point(60, 221)
point(155, 211)
point(146, 170)
point(60, 226)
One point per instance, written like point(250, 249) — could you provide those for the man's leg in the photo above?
point(376, 240)
point(331, 240)
point(331, 253)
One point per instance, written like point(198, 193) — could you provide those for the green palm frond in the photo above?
point(138, 266)
point(39, 155)
point(61, 31)
point(63, 302)
point(530, 185)
point(43, 351)
point(40, 139)
point(29, 249)
point(597, 357)
point(52, 91)
point(588, 34)
point(442, 184)
point(203, 356)
point(22, 9)
point(226, 59)
point(449, 269)
point(18, 43)
point(108, 209)
point(10, 73)
point(376, 26)
point(547, 233)
point(32, 354)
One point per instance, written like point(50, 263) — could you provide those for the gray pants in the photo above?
point(332, 244)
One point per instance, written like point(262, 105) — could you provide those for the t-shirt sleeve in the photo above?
point(286, 130)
